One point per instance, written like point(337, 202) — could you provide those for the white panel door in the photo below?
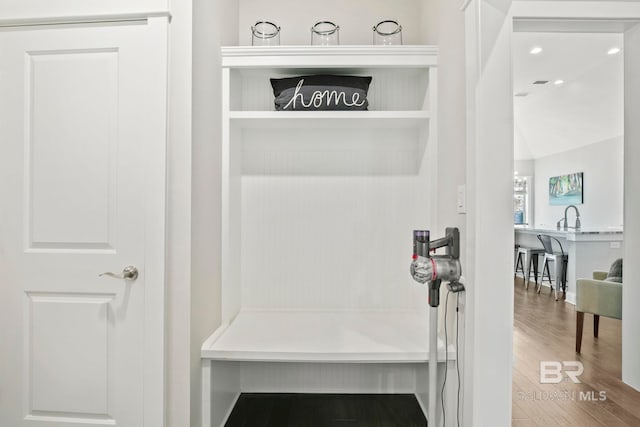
point(82, 182)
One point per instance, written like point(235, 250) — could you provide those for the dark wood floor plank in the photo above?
point(280, 413)
point(326, 410)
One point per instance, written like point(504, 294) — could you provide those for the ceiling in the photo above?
point(586, 108)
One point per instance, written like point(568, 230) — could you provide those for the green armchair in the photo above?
point(599, 297)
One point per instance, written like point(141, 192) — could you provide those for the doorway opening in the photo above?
point(568, 89)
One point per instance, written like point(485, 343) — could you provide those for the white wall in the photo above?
point(524, 167)
point(444, 27)
point(213, 24)
point(602, 164)
point(631, 294)
point(356, 18)
point(178, 268)
point(353, 230)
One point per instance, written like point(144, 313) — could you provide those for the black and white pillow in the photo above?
point(321, 92)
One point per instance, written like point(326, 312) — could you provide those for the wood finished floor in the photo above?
point(544, 330)
point(326, 410)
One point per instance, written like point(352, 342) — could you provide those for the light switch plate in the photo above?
point(462, 199)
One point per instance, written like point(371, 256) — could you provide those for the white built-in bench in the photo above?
point(317, 352)
point(323, 336)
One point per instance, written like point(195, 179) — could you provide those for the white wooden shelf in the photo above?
point(325, 336)
point(329, 119)
point(316, 57)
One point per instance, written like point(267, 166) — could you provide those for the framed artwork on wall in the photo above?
point(566, 189)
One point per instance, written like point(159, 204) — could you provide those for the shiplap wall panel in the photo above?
point(330, 152)
point(263, 377)
point(331, 242)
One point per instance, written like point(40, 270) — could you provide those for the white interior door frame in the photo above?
point(155, 246)
point(489, 26)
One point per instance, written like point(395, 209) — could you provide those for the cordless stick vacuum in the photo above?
point(433, 270)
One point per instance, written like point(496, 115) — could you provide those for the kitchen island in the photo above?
point(588, 250)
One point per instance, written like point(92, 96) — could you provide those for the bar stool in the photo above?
point(560, 260)
point(530, 257)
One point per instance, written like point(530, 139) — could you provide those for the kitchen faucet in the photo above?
point(566, 224)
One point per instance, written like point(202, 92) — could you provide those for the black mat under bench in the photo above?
point(326, 410)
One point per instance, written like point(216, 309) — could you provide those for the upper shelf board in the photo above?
point(329, 119)
point(419, 56)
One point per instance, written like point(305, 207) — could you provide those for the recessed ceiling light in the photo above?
point(536, 50)
point(515, 172)
point(558, 82)
point(613, 51)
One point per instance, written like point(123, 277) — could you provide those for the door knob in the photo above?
point(128, 273)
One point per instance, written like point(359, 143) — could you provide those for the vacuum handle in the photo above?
point(421, 243)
